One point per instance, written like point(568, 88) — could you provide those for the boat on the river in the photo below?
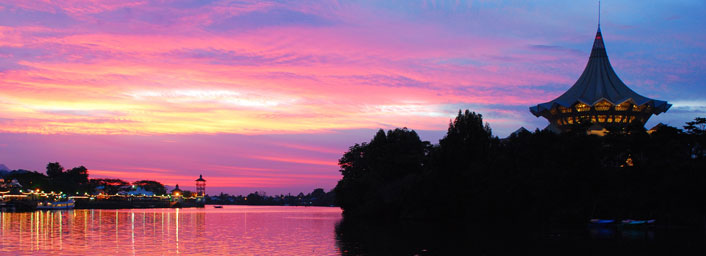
point(622, 223)
point(218, 206)
point(637, 223)
point(56, 205)
point(602, 221)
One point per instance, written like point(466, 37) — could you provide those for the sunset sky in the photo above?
point(267, 95)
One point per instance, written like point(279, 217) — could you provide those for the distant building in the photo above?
point(139, 191)
point(176, 191)
point(598, 99)
point(200, 186)
point(10, 184)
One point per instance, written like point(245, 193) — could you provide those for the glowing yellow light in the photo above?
point(622, 106)
point(603, 106)
point(581, 107)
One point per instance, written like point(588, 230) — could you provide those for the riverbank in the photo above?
point(30, 203)
point(137, 202)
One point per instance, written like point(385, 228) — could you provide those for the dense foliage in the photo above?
point(152, 186)
point(318, 197)
point(528, 178)
point(72, 181)
point(57, 179)
point(76, 181)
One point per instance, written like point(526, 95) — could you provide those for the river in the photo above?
point(290, 230)
point(232, 230)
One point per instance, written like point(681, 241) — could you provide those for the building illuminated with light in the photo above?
point(200, 186)
point(177, 192)
point(599, 99)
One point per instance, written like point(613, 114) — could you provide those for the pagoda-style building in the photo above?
point(599, 99)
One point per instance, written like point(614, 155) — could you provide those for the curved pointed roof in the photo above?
point(176, 189)
point(599, 82)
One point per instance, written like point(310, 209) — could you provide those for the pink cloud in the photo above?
point(121, 81)
point(297, 160)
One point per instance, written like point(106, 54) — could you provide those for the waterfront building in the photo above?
point(200, 186)
point(139, 191)
point(176, 192)
point(599, 100)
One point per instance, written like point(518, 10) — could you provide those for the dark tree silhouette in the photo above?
point(315, 198)
point(69, 182)
point(76, 180)
point(697, 131)
point(28, 179)
point(377, 175)
point(54, 170)
point(151, 186)
point(528, 179)
point(111, 186)
point(696, 127)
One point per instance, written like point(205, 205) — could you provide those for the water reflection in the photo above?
point(231, 230)
point(275, 230)
point(365, 238)
point(615, 232)
point(369, 238)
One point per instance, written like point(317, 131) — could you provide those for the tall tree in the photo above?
point(378, 173)
point(697, 130)
point(467, 142)
point(54, 170)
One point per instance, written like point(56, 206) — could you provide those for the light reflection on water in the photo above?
point(250, 230)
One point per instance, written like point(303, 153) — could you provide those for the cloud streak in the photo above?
point(288, 68)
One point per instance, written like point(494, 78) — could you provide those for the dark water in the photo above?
point(278, 230)
point(356, 238)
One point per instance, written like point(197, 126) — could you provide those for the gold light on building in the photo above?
point(599, 97)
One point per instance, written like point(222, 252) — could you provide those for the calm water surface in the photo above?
point(232, 230)
point(285, 230)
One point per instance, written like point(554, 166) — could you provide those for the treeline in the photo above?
point(316, 198)
point(530, 178)
point(74, 181)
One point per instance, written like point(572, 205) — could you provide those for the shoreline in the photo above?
point(111, 202)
